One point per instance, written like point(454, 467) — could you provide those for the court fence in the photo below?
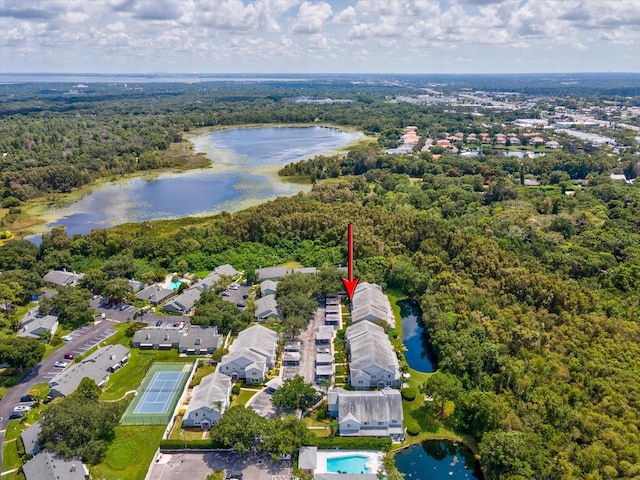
point(131, 417)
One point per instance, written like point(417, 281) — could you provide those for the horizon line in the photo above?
point(319, 73)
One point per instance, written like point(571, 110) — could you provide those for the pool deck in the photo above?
point(374, 461)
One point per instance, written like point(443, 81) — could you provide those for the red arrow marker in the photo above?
point(350, 284)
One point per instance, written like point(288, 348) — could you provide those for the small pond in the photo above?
point(438, 460)
point(419, 353)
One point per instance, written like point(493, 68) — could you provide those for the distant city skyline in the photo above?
point(330, 36)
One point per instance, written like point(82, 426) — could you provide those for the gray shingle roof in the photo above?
point(59, 277)
point(156, 336)
point(258, 339)
point(200, 337)
point(307, 459)
point(212, 389)
point(369, 345)
point(365, 406)
point(45, 323)
point(154, 294)
point(95, 366)
point(271, 273)
point(268, 286)
point(47, 466)
point(266, 306)
point(30, 438)
point(185, 301)
point(370, 303)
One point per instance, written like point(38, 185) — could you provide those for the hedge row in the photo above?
point(177, 444)
point(355, 443)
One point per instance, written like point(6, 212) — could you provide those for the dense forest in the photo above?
point(529, 293)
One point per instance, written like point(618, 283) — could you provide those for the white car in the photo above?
point(60, 364)
point(22, 408)
point(67, 338)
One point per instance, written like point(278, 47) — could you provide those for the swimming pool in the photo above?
point(173, 285)
point(348, 464)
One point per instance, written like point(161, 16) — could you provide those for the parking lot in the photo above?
point(236, 295)
point(78, 349)
point(196, 466)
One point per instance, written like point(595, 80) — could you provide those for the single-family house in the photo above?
point(29, 439)
point(552, 144)
point(367, 414)
point(150, 338)
point(537, 140)
point(155, 294)
point(47, 465)
point(96, 366)
point(271, 273)
point(200, 340)
point(251, 355)
point(267, 307)
point(514, 141)
point(372, 360)
point(268, 287)
point(37, 326)
point(370, 303)
point(208, 401)
point(63, 278)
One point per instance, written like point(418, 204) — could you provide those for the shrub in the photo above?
point(322, 415)
point(9, 202)
point(353, 443)
point(409, 394)
point(413, 428)
point(177, 444)
point(235, 389)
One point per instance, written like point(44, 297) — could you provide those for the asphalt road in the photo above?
point(83, 339)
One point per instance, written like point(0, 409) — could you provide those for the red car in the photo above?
point(69, 356)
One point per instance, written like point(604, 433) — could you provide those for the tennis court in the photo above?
point(158, 394)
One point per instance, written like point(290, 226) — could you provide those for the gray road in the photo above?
point(196, 466)
point(83, 339)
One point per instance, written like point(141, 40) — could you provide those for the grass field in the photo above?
point(244, 396)
point(129, 455)
point(10, 458)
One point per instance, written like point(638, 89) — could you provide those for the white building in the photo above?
point(372, 360)
point(208, 402)
point(251, 355)
point(370, 303)
point(371, 414)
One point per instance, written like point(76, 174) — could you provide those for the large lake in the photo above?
point(244, 173)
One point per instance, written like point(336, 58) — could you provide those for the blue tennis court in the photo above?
point(158, 395)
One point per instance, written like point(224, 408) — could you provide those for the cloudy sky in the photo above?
point(333, 36)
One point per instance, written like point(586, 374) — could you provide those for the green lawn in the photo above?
point(10, 458)
point(130, 454)
point(244, 396)
point(201, 372)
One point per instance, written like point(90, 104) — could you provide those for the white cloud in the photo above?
point(311, 17)
point(348, 15)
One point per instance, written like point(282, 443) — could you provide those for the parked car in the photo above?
point(28, 398)
point(240, 304)
point(69, 356)
point(67, 338)
point(61, 364)
point(21, 408)
point(225, 294)
point(158, 323)
point(245, 296)
point(123, 307)
point(15, 415)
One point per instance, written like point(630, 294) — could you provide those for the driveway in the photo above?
point(82, 340)
point(236, 296)
point(196, 466)
point(308, 349)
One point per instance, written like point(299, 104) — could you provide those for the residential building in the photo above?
point(372, 360)
point(370, 303)
point(308, 459)
point(29, 438)
point(267, 307)
point(184, 303)
point(48, 466)
point(371, 414)
point(155, 294)
point(271, 273)
point(136, 286)
point(251, 355)
point(150, 338)
point(268, 287)
point(63, 278)
point(38, 326)
point(208, 401)
point(200, 340)
point(96, 366)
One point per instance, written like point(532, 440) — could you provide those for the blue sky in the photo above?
point(309, 36)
